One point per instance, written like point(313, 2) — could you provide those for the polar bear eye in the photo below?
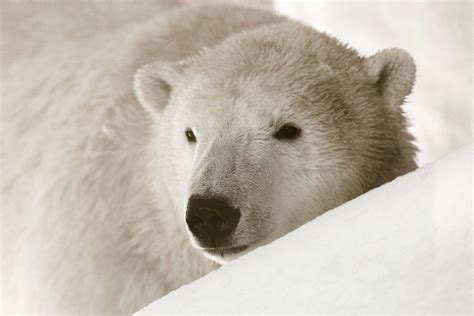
point(288, 132)
point(190, 136)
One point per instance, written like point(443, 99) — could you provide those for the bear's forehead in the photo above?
point(263, 93)
point(278, 71)
point(282, 50)
point(236, 97)
point(252, 102)
point(283, 65)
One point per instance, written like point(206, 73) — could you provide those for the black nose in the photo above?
point(211, 219)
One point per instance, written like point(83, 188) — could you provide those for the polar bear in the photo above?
point(146, 158)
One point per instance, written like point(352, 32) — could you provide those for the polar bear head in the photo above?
point(270, 129)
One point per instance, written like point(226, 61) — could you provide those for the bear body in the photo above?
point(108, 140)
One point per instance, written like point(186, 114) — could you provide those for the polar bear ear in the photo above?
point(393, 72)
point(153, 83)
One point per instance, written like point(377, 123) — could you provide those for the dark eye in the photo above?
point(190, 136)
point(288, 132)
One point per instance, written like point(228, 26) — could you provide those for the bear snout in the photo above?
point(211, 219)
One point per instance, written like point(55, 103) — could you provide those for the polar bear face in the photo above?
point(258, 139)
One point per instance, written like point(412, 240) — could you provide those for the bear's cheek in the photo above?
point(294, 192)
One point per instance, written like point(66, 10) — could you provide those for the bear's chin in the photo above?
point(223, 256)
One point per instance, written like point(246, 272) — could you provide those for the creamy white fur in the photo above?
point(95, 187)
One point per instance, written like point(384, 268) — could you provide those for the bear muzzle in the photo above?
point(211, 220)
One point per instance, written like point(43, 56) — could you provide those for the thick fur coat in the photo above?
point(96, 175)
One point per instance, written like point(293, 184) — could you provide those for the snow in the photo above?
point(439, 37)
point(403, 247)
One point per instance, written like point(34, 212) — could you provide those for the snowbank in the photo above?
point(403, 247)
